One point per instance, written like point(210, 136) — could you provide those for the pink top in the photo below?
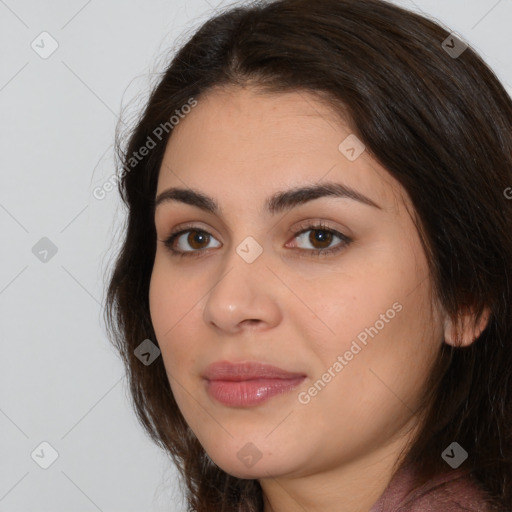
point(455, 491)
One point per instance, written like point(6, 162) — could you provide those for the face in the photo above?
point(333, 289)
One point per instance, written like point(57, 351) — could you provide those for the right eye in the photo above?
point(196, 239)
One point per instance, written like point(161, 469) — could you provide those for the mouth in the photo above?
point(248, 384)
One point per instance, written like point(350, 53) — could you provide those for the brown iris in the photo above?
point(196, 236)
point(324, 238)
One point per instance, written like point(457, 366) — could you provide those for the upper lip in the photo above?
point(226, 370)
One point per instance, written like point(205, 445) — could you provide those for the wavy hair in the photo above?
point(440, 123)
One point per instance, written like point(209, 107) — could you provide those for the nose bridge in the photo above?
point(249, 250)
point(243, 291)
point(245, 270)
point(248, 236)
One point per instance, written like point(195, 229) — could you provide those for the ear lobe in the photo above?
point(465, 331)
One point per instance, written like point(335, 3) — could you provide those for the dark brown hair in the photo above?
point(440, 124)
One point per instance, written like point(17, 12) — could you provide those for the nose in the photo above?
point(244, 296)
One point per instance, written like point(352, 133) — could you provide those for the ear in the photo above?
point(466, 330)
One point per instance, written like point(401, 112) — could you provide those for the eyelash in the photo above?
point(345, 240)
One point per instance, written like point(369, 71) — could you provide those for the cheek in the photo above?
point(161, 303)
point(345, 313)
point(170, 325)
point(394, 364)
point(377, 391)
point(171, 310)
point(172, 294)
point(381, 326)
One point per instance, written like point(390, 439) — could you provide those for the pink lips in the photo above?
point(248, 384)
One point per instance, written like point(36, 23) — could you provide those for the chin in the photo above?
point(256, 466)
point(248, 474)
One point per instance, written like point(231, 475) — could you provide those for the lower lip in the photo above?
point(249, 392)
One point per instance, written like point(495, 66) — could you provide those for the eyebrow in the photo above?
point(277, 203)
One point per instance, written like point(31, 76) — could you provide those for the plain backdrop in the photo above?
point(61, 382)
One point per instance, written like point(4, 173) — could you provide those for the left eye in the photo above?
point(320, 237)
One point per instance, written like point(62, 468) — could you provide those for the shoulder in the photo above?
point(456, 491)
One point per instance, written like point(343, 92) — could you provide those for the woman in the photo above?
point(318, 244)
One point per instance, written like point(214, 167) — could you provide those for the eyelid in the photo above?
point(191, 225)
point(304, 225)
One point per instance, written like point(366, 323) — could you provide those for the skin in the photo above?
point(292, 309)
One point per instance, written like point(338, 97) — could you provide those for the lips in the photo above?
point(248, 384)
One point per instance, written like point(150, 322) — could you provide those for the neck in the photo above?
point(351, 487)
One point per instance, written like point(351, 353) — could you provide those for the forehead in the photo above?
point(242, 142)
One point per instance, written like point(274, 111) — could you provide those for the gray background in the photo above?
point(61, 382)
